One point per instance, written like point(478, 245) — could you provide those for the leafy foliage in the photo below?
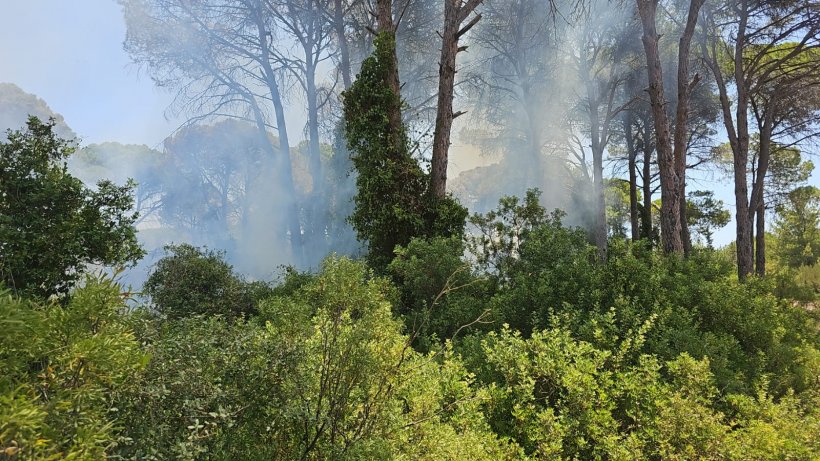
point(798, 227)
point(322, 373)
point(706, 214)
point(498, 233)
point(521, 347)
point(440, 294)
point(561, 398)
point(51, 226)
point(191, 281)
point(62, 367)
point(392, 201)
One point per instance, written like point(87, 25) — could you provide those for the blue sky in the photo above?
point(69, 52)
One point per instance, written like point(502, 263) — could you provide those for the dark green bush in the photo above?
point(192, 281)
point(440, 293)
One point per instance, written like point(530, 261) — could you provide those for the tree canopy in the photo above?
point(52, 227)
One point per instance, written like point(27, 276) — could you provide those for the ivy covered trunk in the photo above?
point(392, 204)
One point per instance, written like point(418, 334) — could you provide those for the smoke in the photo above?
point(227, 179)
point(215, 186)
point(530, 79)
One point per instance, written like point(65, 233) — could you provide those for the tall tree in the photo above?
point(640, 134)
point(760, 47)
point(52, 227)
point(786, 170)
point(219, 57)
point(305, 24)
point(798, 227)
point(455, 13)
point(392, 203)
point(787, 113)
point(671, 149)
point(602, 67)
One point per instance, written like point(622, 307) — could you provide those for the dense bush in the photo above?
point(515, 344)
point(324, 373)
point(51, 225)
point(193, 281)
point(440, 293)
point(560, 398)
point(62, 367)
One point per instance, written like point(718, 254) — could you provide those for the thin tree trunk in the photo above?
point(287, 177)
point(670, 186)
point(296, 240)
point(535, 166)
point(682, 116)
point(344, 49)
point(760, 241)
point(297, 243)
point(600, 231)
point(739, 142)
point(757, 201)
point(634, 222)
point(646, 212)
point(314, 149)
point(632, 155)
point(685, 236)
point(599, 227)
point(316, 201)
point(454, 14)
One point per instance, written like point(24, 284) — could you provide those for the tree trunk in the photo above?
point(632, 155)
point(743, 233)
point(385, 25)
point(760, 241)
point(444, 114)
point(682, 116)
point(315, 202)
point(287, 176)
point(344, 50)
point(535, 170)
point(670, 184)
point(646, 212)
point(740, 148)
point(685, 235)
point(296, 240)
point(757, 201)
point(454, 14)
point(600, 231)
point(297, 244)
point(314, 148)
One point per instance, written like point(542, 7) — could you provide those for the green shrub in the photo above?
point(52, 227)
point(62, 367)
point(192, 281)
point(440, 293)
point(323, 372)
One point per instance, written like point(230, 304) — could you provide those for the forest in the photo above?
point(425, 230)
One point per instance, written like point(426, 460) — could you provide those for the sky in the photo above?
point(69, 52)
